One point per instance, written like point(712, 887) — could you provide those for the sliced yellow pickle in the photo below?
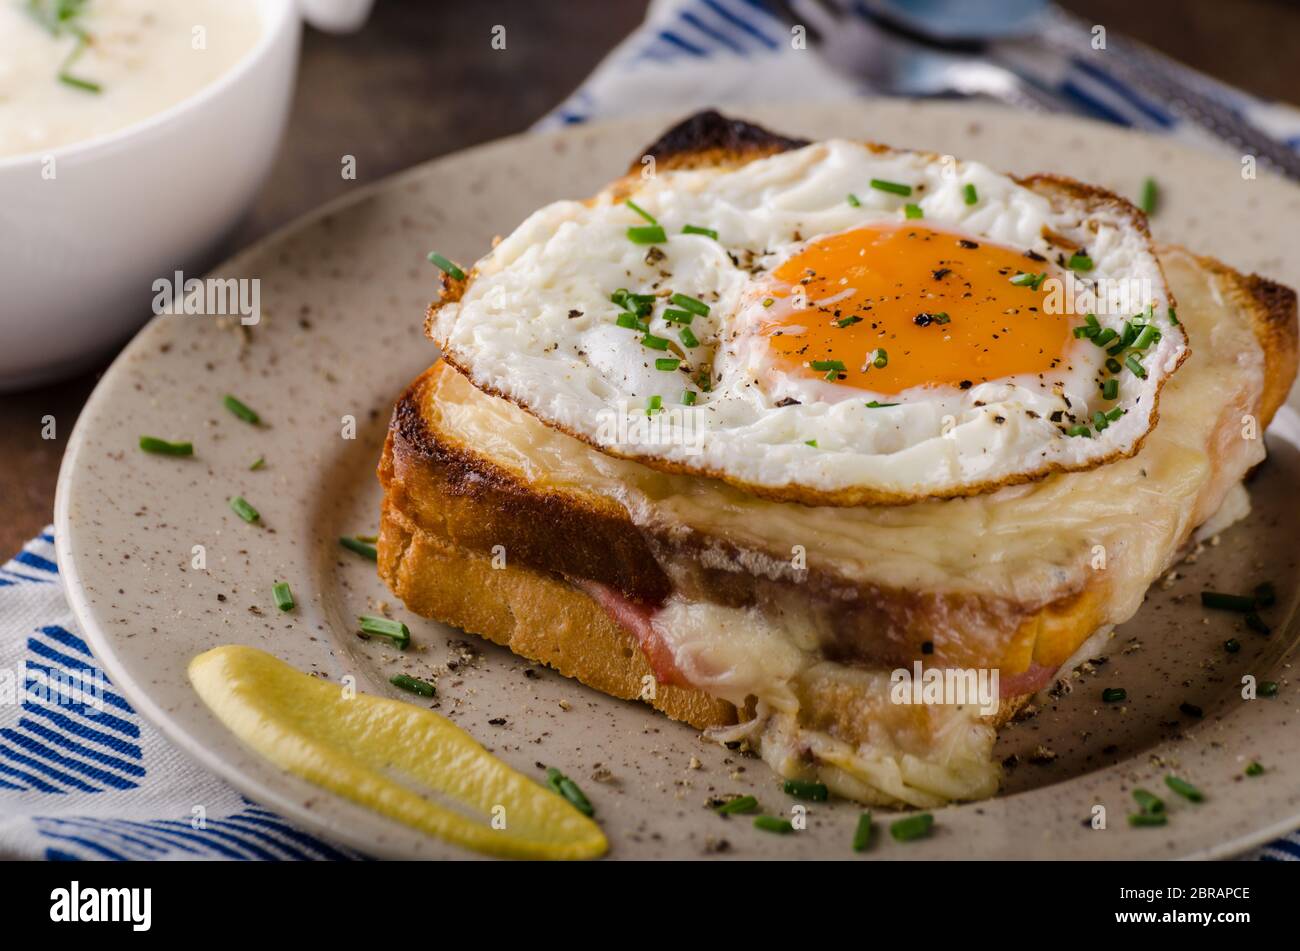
point(361, 747)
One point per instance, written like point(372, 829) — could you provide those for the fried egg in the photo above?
point(838, 324)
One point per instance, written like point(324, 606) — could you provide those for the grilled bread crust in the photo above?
point(446, 505)
point(711, 140)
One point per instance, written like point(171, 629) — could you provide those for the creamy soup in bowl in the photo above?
point(72, 70)
point(134, 134)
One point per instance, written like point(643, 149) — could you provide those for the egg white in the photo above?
point(537, 325)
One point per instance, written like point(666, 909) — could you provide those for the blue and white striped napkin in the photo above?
point(96, 781)
point(82, 775)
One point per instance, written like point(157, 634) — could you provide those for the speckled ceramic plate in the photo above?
point(343, 294)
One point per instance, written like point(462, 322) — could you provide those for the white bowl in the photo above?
point(81, 252)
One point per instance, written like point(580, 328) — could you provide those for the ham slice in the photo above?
point(634, 618)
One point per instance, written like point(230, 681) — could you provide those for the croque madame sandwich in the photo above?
point(765, 421)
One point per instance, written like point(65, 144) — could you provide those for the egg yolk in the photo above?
point(903, 305)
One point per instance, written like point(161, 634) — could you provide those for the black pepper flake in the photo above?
point(574, 314)
point(927, 647)
point(965, 384)
point(1191, 710)
point(787, 401)
point(969, 245)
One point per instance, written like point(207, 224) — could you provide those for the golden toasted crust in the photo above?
point(535, 614)
point(711, 140)
point(1272, 310)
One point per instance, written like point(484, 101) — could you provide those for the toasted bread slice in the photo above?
point(452, 504)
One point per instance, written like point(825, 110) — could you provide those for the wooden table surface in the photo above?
point(412, 86)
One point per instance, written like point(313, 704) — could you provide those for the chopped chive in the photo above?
point(1265, 594)
point(817, 792)
point(1150, 196)
point(1091, 320)
point(1081, 331)
point(827, 365)
point(688, 338)
point(913, 827)
point(258, 463)
point(240, 410)
point(446, 266)
point(862, 834)
point(810, 442)
point(647, 234)
point(674, 316)
point(1268, 688)
point(1079, 262)
point(413, 685)
point(695, 229)
point(1148, 336)
point(85, 85)
point(1256, 624)
point(970, 194)
point(876, 405)
point(894, 188)
point(1173, 317)
point(567, 788)
point(653, 403)
point(1114, 695)
point(1115, 414)
point(912, 211)
point(1148, 802)
point(396, 631)
point(773, 824)
point(1026, 279)
point(283, 596)
point(641, 211)
point(667, 363)
point(654, 343)
point(1113, 365)
point(360, 547)
point(1184, 789)
point(164, 448)
point(769, 301)
point(1104, 336)
point(881, 359)
point(1099, 421)
point(368, 539)
point(691, 304)
point(1254, 769)
point(1110, 389)
point(1232, 645)
point(1079, 429)
point(688, 398)
point(848, 321)
point(1147, 819)
point(631, 321)
point(244, 510)
point(739, 804)
point(853, 201)
point(1227, 602)
point(1133, 364)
